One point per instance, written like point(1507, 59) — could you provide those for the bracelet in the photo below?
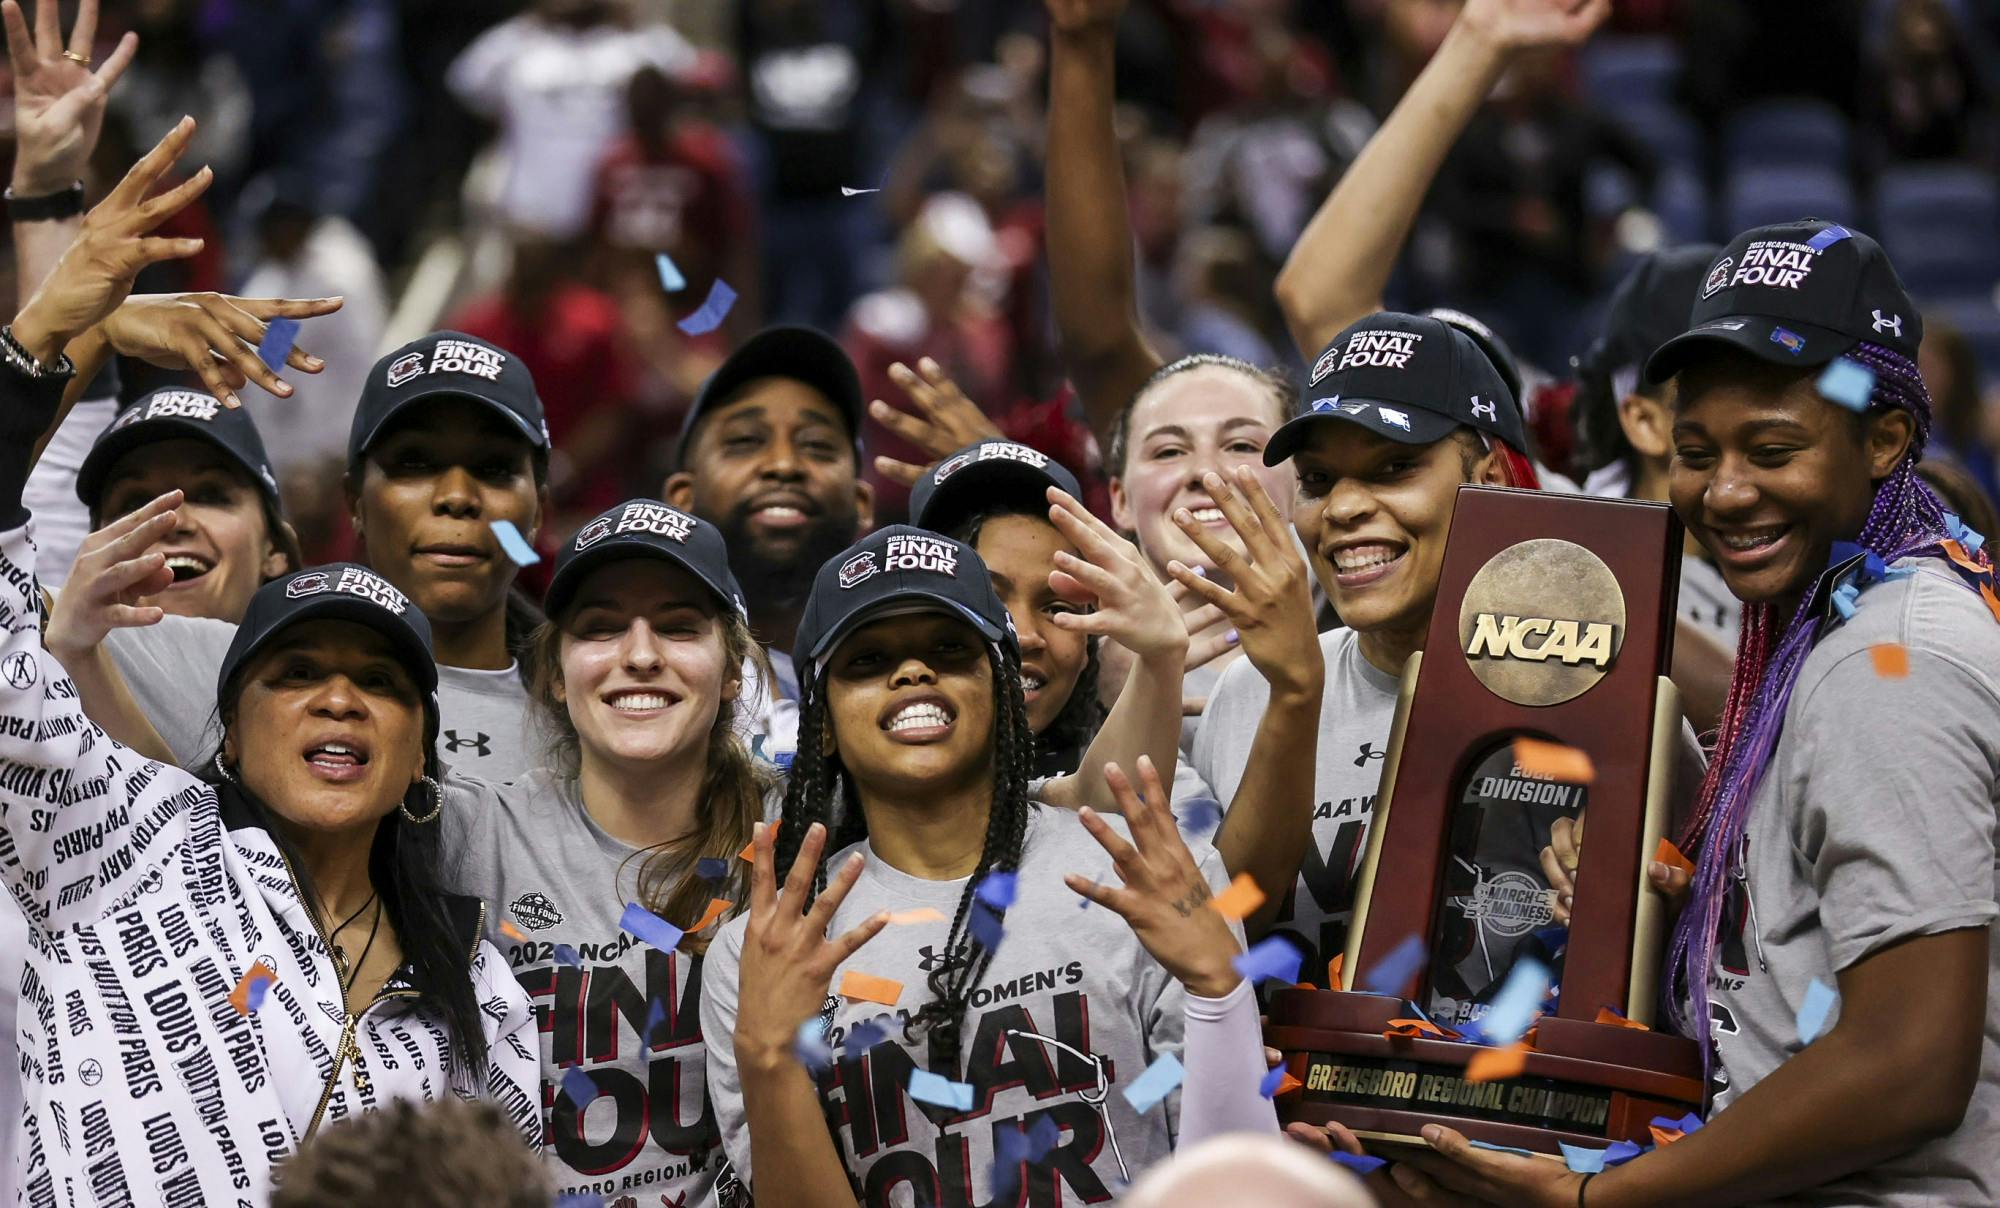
point(24, 362)
point(1580, 1186)
point(47, 207)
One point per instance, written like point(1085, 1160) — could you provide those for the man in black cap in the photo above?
point(770, 453)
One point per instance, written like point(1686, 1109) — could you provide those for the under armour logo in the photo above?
point(1890, 323)
point(452, 743)
point(1367, 753)
point(928, 958)
point(1487, 411)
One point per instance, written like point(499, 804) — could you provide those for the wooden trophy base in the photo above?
point(1586, 1083)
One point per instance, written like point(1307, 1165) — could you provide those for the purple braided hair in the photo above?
point(1907, 518)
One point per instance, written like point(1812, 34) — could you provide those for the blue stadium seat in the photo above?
point(1979, 319)
point(1759, 196)
point(1681, 201)
point(1787, 133)
point(1941, 225)
point(1672, 135)
point(1622, 72)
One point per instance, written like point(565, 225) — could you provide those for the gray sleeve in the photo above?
point(1898, 816)
point(1228, 727)
point(171, 668)
point(719, 972)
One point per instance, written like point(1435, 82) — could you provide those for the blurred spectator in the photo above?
point(1736, 53)
point(179, 71)
point(555, 80)
point(1926, 98)
point(1225, 293)
point(1963, 424)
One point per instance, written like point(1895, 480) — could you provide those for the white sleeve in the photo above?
point(478, 76)
point(1223, 1054)
point(513, 1044)
point(61, 519)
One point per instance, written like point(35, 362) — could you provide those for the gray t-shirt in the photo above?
point(533, 854)
point(171, 669)
point(1706, 600)
point(1875, 822)
point(1072, 975)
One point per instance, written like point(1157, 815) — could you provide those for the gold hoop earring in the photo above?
point(437, 804)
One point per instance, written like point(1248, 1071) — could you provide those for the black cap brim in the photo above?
point(337, 606)
point(908, 600)
point(1762, 338)
point(1426, 427)
point(528, 431)
point(562, 588)
point(111, 446)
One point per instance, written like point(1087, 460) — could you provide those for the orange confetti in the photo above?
point(1490, 1064)
point(1333, 970)
point(1286, 1085)
point(512, 932)
point(253, 976)
point(1957, 553)
point(866, 987)
point(922, 914)
point(1606, 1015)
point(716, 909)
point(1412, 1027)
point(749, 853)
point(1666, 853)
point(1554, 760)
point(1240, 900)
point(1891, 660)
point(1665, 1136)
point(1992, 600)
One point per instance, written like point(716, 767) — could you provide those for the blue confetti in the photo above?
point(650, 927)
point(1010, 1149)
point(862, 1037)
point(1962, 533)
point(1581, 1158)
point(1847, 383)
point(1621, 1152)
point(809, 1046)
point(254, 996)
point(1517, 1003)
point(714, 309)
point(1845, 597)
point(1042, 1137)
point(1269, 1086)
point(566, 955)
point(1395, 970)
point(579, 1086)
point(654, 1018)
point(1820, 1001)
point(1360, 1163)
point(1200, 815)
point(1159, 1081)
point(935, 1089)
point(1526, 1153)
point(670, 274)
point(997, 889)
point(513, 544)
point(1270, 959)
point(985, 927)
point(1686, 1124)
point(709, 868)
point(580, 1199)
point(279, 334)
point(1828, 237)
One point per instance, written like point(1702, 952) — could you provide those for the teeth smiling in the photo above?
point(1031, 682)
point(919, 717)
point(1364, 557)
point(1207, 515)
point(187, 566)
point(1752, 538)
point(637, 702)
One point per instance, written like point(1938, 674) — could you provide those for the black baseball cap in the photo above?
point(983, 476)
point(338, 591)
point(644, 528)
point(799, 353)
point(1490, 343)
point(1650, 306)
point(167, 414)
point(448, 364)
point(1411, 378)
point(899, 568)
point(1796, 293)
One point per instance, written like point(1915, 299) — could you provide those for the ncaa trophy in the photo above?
point(1565, 637)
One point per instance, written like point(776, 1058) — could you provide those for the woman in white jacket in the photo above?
point(219, 966)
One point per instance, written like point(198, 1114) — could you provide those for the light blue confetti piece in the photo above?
point(580, 1199)
point(580, 1087)
point(566, 955)
point(1526, 1153)
point(862, 1037)
point(1582, 1159)
point(1362, 1164)
point(1689, 1123)
point(656, 1016)
point(985, 927)
point(809, 1046)
point(279, 334)
point(714, 309)
point(939, 1091)
point(1820, 1001)
point(1200, 815)
point(1159, 1081)
point(711, 868)
point(513, 544)
point(1269, 1086)
point(1394, 971)
point(1517, 1003)
point(1845, 597)
point(650, 927)
point(1270, 959)
point(1967, 536)
point(1847, 383)
point(1042, 1137)
point(670, 274)
point(1621, 1152)
point(997, 889)
point(1010, 1149)
point(1828, 237)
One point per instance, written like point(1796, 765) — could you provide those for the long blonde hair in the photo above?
point(728, 806)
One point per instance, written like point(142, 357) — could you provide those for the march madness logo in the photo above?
point(535, 910)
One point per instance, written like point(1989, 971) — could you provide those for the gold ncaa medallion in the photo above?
point(1541, 622)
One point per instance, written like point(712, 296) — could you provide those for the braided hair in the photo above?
point(820, 784)
point(1906, 519)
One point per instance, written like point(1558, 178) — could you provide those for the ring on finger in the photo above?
point(74, 57)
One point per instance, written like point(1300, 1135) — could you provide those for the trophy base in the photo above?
point(1585, 1084)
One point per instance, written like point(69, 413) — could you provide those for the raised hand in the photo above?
point(945, 420)
point(1165, 896)
point(1073, 16)
point(1133, 608)
point(1271, 604)
point(94, 274)
point(58, 101)
point(113, 573)
point(1565, 852)
point(215, 335)
point(788, 961)
point(1514, 25)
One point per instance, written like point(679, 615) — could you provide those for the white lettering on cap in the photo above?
point(355, 581)
point(1380, 349)
point(1775, 264)
point(1013, 452)
point(932, 555)
point(462, 356)
point(182, 404)
point(655, 518)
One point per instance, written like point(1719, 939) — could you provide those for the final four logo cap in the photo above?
point(644, 528)
point(448, 364)
point(1411, 378)
point(896, 570)
point(338, 591)
point(987, 475)
point(1796, 293)
point(170, 414)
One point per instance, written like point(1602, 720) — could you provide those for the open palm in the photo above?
point(58, 100)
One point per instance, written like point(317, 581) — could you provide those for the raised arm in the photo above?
point(1090, 232)
point(1342, 261)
